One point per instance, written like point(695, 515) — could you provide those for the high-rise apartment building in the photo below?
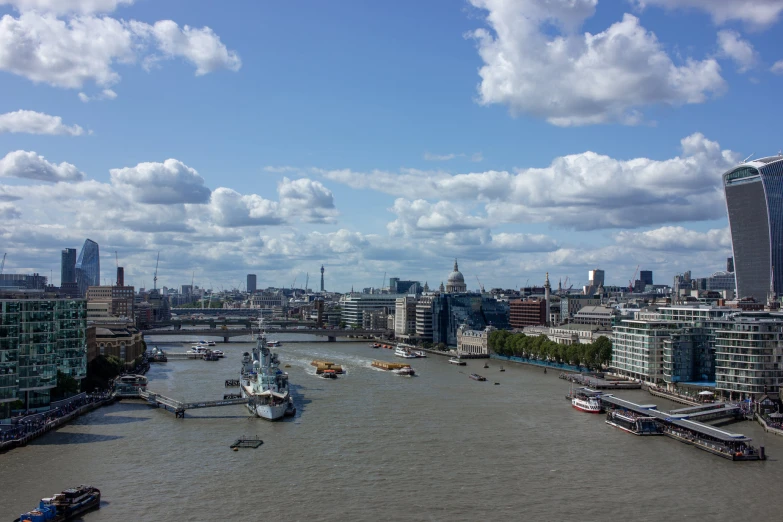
point(38, 338)
point(754, 200)
point(88, 267)
point(68, 266)
point(251, 283)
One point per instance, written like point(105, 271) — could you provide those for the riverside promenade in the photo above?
point(23, 429)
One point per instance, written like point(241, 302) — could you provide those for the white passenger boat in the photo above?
point(404, 353)
point(458, 361)
point(587, 400)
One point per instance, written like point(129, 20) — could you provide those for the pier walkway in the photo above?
point(178, 407)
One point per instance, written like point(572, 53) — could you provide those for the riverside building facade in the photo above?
point(754, 200)
point(38, 338)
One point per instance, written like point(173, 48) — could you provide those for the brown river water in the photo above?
point(372, 445)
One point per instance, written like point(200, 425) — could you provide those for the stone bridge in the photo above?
point(228, 333)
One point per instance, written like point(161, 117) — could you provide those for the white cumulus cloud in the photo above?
point(777, 67)
point(71, 52)
point(573, 78)
point(170, 182)
point(29, 165)
point(229, 208)
point(676, 238)
point(32, 122)
point(67, 6)
point(307, 198)
point(756, 13)
point(741, 51)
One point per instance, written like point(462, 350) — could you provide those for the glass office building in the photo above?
point(754, 200)
point(88, 267)
point(68, 266)
point(38, 338)
point(449, 311)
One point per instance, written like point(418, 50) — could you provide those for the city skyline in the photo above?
point(198, 135)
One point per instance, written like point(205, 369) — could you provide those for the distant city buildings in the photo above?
point(88, 267)
point(251, 283)
point(68, 266)
point(527, 312)
point(754, 199)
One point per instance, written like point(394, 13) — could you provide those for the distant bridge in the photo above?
point(228, 333)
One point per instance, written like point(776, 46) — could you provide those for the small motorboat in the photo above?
point(502, 369)
point(486, 365)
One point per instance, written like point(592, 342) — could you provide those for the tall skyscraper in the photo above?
point(322, 278)
point(646, 277)
point(68, 266)
point(754, 200)
point(729, 264)
point(251, 283)
point(88, 267)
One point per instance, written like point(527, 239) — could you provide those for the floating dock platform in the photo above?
point(246, 442)
point(682, 425)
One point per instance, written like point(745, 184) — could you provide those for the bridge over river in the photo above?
point(228, 333)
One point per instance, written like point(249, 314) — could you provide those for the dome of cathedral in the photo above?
point(456, 276)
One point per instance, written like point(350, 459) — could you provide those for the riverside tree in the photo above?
point(594, 355)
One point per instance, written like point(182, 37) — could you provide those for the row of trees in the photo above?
point(593, 355)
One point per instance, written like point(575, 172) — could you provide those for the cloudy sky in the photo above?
point(521, 136)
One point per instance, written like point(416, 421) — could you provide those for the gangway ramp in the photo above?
point(179, 407)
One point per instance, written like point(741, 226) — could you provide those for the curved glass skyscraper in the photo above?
point(88, 267)
point(754, 200)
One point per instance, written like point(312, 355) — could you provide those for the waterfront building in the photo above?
point(376, 319)
point(456, 281)
point(68, 266)
point(38, 338)
point(119, 298)
point(449, 311)
point(597, 315)
point(754, 200)
point(688, 357)
point(637, 348)
point(569, 333)
point(354, 306)
point(251, 283)
point(749, 355)
point(424, 318)
point(121, 340)
point(88, 267)
point(405, 317)
point(473, 342)
point(527, 312)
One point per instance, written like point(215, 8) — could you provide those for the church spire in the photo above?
point(456, 268)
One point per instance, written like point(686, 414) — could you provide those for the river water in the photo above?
point(372, 445)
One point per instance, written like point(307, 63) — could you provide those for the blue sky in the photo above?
point(520, 136)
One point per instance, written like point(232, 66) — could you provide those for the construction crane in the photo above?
point(384, 281)
point(294, 283)
point(481, 287)
point(2, 266)
point(307, 281)
point(155, 279)
point(630, 283)
point(117, 258)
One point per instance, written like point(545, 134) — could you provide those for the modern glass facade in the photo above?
point(68, 266)
point(450, 311)
point(38, 337)
point(754, 200)
point(88, 267)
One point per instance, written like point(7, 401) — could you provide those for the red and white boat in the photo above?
point(587, 400)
